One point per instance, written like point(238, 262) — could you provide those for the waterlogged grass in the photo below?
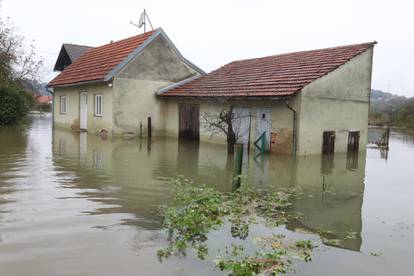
point(199, 210)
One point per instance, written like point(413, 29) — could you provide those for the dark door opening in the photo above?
point(189, 122)
point(353, 141)
point(328, 145)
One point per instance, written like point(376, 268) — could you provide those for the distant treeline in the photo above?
point(390, 109)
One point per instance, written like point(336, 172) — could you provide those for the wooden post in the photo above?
point(149, 128)
point(238, 166)
point(140, 129)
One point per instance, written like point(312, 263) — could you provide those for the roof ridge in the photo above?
point(306, 51)
point(127, 38)
point(276, 75)
point(73, 44)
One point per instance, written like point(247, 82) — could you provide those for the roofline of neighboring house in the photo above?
point(63, 47)
point(140, 49)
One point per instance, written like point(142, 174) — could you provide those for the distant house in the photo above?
point(43, 100)
point(303, 103)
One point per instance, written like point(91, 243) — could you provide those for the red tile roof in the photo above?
point(44, 99)
point(96, 63)
point(273, 76)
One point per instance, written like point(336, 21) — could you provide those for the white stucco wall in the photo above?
point(281, 121)
point(134, 101)
point(336, 102)
point(135, 87)
point(71, 118)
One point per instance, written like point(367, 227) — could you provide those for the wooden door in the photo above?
point(83, 110)
point(189, 122)
point(328, 145)
point(353, 141)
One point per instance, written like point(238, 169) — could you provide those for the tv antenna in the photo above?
point(143, 21)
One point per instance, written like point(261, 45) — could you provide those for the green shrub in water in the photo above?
point(198, 210)
point(15, 103)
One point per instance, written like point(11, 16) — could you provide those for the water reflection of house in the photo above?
point(132, 178)
point(332, 201)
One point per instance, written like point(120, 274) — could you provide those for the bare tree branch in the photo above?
point(16, 62)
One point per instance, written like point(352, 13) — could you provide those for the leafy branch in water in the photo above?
point(199, 210)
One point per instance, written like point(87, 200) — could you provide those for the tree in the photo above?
point(17, 64)
point(226, 121)
point(15, 103)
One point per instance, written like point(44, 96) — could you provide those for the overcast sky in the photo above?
point(212, 33)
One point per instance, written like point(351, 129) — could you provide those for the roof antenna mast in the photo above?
point(143, 21)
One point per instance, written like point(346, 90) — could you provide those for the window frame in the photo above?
point(61, 98)
point(98, 109)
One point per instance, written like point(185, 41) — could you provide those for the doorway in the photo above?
point(83, 111)
point(189, 122)
point(353, 141)
point(328, 145)
point(241, 124)
point(264, 124)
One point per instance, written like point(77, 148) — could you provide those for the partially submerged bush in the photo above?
point(198, 210)
point(15, 103)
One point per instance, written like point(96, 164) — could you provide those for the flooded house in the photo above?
point(300, 103)
point(113, 87)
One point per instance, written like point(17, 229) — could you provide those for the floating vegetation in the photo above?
point(199, 210)
point(351, 235)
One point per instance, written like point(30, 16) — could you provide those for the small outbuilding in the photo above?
point(308, 102)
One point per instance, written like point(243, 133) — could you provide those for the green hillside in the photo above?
point(390, 109)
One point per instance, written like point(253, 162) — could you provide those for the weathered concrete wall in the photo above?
point(135, 87)
point(281, 121)
point(71, 118)
point(336, 102)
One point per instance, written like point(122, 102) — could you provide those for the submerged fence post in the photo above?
point(238, 165)
point(149, 127)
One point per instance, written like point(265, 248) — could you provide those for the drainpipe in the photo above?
point(294, 128)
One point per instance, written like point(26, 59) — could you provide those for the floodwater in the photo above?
point(72, 204)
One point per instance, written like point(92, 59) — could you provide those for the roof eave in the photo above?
point(177, 84)
point(77, 83)
point(250, 98)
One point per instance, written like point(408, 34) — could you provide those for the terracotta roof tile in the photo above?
point(97, 62)
point(279, 75)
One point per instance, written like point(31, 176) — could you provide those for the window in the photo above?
point(98, 105)
point(63, 105)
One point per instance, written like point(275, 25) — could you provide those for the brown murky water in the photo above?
point(72, 204)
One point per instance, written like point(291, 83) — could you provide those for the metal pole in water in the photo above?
point(238, 165)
